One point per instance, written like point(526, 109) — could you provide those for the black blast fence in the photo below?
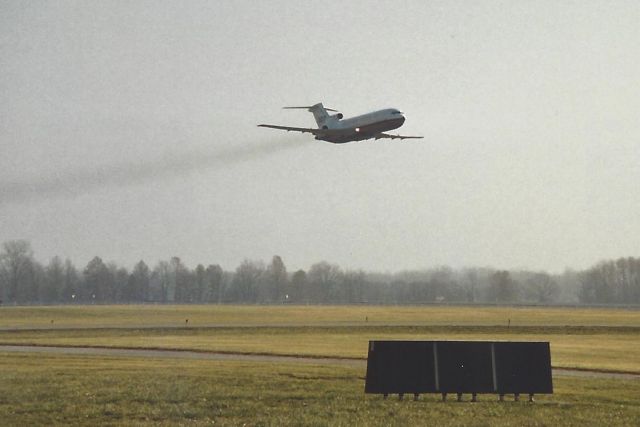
point(415, 367)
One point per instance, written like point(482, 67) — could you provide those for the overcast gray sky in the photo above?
point(128, 131)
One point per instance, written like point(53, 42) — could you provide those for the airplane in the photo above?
point(335, 129)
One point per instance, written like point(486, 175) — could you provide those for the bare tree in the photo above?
point(353, 285)
point(17, 278)
point(245, 281)
point(161, 283)
point(199, 283)
point(180, 281)
point(214, 277)
point(298, 286)
point(471, 284)
point(275, 281)
point(54, 281)
point(541, 288)
point(139, 282)
point(502, 287)
point(323, 279)
point(71, 286)
point(611, 282)
point(120, 283)
point(98, 281)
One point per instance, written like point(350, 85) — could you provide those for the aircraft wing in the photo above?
point(321, 132)
point(387, 136)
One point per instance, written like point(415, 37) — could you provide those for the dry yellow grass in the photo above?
point(91, 390)
point(129, 316)
point(612, 351)
point(606, 339)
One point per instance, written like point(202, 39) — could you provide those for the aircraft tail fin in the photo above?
point(319, 113)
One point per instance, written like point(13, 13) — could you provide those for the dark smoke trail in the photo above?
point(74, 183)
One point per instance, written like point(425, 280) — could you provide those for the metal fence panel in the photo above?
point(523, 367)
point(400, 367)
point(458, 367)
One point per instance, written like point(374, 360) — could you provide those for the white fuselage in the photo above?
point(335, 129)
point(364, 126)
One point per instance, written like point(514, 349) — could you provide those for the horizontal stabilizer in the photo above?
point(387, 136)
point(309, 108)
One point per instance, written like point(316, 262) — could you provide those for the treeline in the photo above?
point(23, 280)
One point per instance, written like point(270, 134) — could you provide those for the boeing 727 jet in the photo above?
point(335, 129)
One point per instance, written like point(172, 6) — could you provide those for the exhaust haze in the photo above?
point(82, 181)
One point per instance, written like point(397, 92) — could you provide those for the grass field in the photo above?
point(72, 390)
point(587, 348)
point(130, 316)
point(38, 389)
point(601, 339)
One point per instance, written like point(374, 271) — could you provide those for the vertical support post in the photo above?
point(516, 397)
point(493, 367)
point(531, 397)
point(459, 397)
point(435, 368)
point(416, 396)
point(444, 397)
point(474, 397)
